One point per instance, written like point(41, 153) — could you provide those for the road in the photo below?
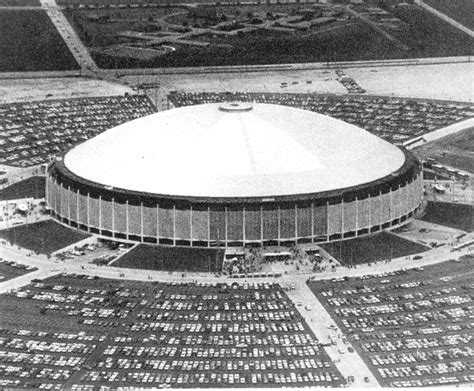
point(446, 18)
point(439, 133)
point(75, 45)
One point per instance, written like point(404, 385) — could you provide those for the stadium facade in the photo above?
point(234, 174)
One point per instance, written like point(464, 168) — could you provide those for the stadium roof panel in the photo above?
point(217, 150)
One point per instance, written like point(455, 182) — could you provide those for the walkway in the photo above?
point(318, 319)
point(19, 7)
point(46, 268)
point(25, 279)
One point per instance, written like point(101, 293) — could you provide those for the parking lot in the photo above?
point(124, 333)
point(412, 327)
point(393, 119)
point(30, 133)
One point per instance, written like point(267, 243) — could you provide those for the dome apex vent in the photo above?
point(235, 107)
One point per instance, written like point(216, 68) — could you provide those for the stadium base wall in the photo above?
point(234, 224)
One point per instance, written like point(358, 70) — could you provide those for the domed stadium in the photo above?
point(235, 174)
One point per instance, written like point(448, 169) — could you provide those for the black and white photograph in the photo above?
point(240, 194)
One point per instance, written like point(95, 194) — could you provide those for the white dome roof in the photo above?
point(234, 150)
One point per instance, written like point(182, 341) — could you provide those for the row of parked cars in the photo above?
point(153, 334)
point(414, 327)
point(32, 132)
point(394, 119)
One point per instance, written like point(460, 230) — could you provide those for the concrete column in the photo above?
point(370, 213)
point(100, 213)
point(69, 204)
point(296, 222)
point(391, 206)
point(141, 220)
point(381, 209)
point(357, 216)
point(55, 196)
point(113, 214)
point(225, 225)
point(208, 226)
point(46, 191)
point(77, 206)
point(279, 236)
point(191, 224)
point(327, 221)
point(61, 190)
point(261, 225)
point(174, 225)
point(420, 193)
point(407, 192)
point(312, 222)
point(243, 224)
point(342, 217)
point(53, 191)
point(126, 219)
point(88, 213)
point(157, 222)
point(399, 206)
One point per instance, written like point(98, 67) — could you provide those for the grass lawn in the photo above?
point(429, 36)
point(456, 150)
point(172, 259)
point(374, 248)
point(106, 3)
point(97, 33)
point(461, 11)
point(425, 34)
point(427, 175)
point(353, 42)
point(30, 42)
point(8, 272)
point(33, 187)
point(44, 237)
point(459, 216)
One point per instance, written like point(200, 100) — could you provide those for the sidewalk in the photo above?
point(25, 279)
